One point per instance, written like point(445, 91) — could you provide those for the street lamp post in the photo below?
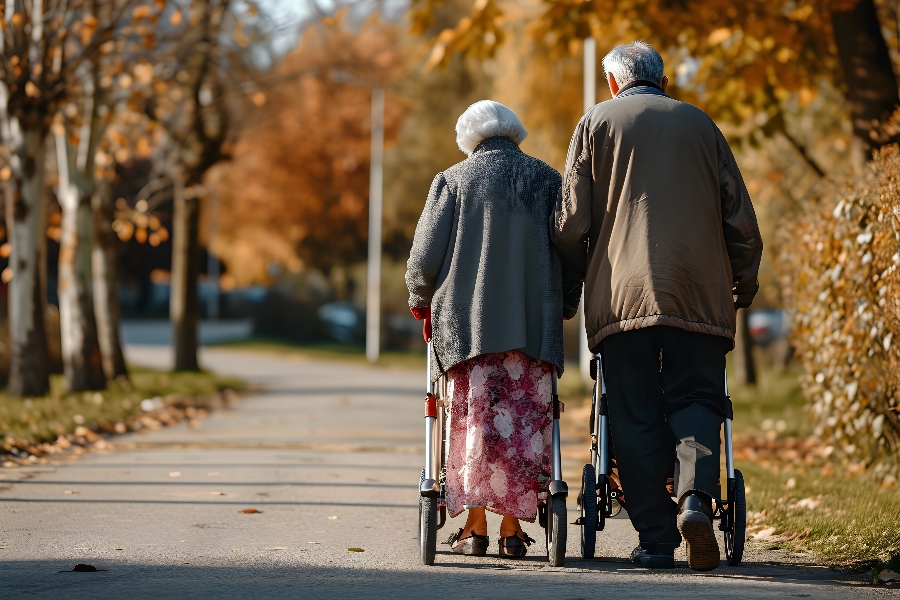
point(590, 99)
point(373, 275)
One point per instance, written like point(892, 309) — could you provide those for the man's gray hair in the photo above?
point(634, 61)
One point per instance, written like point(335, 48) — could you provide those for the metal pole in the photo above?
point(373, 280)
point(590, 99)
point(590, 73)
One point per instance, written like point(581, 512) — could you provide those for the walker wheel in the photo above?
point(428, 508)
point(556, 530)
point(737, 533)
point(589, 524)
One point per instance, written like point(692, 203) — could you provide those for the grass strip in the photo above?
point(44, 419)
point(846, 521)
point(332, 352)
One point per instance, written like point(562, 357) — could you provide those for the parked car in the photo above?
point(342, 320)
point(768, 325)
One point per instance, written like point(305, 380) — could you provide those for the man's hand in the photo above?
point(423, 313)
point(743, 301)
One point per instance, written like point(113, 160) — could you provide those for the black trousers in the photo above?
point(666, 391)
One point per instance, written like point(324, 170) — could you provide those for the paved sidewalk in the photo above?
point(330, 456)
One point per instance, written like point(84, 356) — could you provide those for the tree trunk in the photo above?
point(871, 87)
point(80, 348)
point(104, 263)
point(184, 307)
point(744, 364)
point(26, 216)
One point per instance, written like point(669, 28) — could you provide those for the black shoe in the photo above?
point(473, 545)
point(512, 546)
point(695, 524)
point(657, 560)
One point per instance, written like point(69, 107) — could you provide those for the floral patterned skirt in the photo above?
point(500, 429)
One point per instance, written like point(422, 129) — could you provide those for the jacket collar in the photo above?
point(495, 143)
point(640, 86)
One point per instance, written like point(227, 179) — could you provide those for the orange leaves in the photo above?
point(717, 36)
point(141, 12)
point(89, 27)
point(477, 35)
point(311, 142)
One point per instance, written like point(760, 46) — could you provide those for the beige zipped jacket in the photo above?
point(655, 215)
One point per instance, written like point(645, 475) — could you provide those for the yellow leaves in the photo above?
point(477, 35)
point(806, 95)
point(801, 13)
point(31, 90)
point(123, 229)
point(5, 173)
point(718, 36)
point(176, 18)
point(258, 99)
point(143, 72)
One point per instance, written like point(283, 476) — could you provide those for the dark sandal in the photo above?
point(473, 544)
point(512, 546)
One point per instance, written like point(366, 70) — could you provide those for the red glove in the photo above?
point(423, 313)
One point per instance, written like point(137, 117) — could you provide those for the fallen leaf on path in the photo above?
point(251, 511)
point(276, 548)
point(355, 550)
point(219, 494)
point(69, 492)
point(332, 517)
point(313, 542)
point(765, 533)
point(888, 575)
point(175, 474)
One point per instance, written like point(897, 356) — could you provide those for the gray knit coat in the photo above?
point(482, 260)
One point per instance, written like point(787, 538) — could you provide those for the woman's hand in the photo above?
point(423, 313)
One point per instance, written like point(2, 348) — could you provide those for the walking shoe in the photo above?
point(473, 544)
point(660, 560)
point(695, 525)
point(512, 546)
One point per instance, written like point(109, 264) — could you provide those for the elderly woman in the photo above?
point(482, 270)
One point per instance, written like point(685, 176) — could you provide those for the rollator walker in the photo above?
point(730, 511)
point(432, 500)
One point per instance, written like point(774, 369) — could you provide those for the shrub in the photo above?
point(840, 275)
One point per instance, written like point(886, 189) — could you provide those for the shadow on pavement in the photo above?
point(286, 577)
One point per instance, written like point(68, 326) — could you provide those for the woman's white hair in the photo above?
point(486, 119)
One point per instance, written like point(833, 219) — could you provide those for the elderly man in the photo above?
point(655, 215)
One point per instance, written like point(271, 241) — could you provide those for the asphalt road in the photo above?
point(330, 456)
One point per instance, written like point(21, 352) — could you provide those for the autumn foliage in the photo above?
point(841, 276)
point(296, 191)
